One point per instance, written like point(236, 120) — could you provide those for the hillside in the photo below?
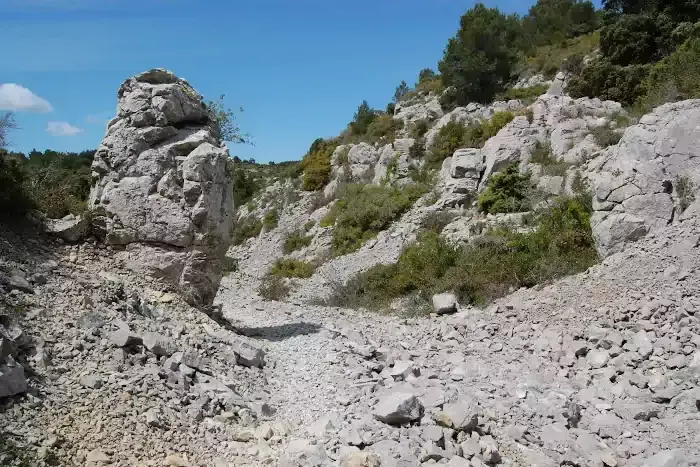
point(497, 269)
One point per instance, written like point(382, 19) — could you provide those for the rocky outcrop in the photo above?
point(643, 182)
point(427, 109)
point(163, 190)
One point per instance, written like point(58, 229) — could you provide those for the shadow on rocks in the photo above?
point(280, 332)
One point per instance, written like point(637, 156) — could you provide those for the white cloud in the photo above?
point(17, 98)
point(62, 129)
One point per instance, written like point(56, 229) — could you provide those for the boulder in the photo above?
point(70, 228)
point(398, 408)
point(158, 344)
point(640, 183)
point(12, 379)
point(163, 187)
point(445, 303)
point(667, 458)
point(462, 415)
point(248, 355)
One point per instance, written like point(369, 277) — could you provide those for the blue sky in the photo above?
point(298, 67)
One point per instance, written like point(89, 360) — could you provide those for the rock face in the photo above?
point(643, 183)
point(163, 189)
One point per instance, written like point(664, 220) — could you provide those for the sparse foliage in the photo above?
point(225, 119)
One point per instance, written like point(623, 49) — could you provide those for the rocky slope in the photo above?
point(596, 369)
point(101, 366)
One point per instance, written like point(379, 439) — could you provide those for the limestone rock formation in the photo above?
point(646, 180)
point(163, 189)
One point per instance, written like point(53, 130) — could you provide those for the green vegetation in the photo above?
point(363, 118)
point(637, 41)
point(542, 155)
point(501, 261)
point(685, 188)
point(296, 241)
point(383, 129)
point(287, 267)
point(527, 95)
point(480, 58)
point(455, 135)
point(436, 221)
point(55, 183)
point(229, 265)
point(273, 288)
point(420, 128)
point(270, 219)
point(506, 191)
point(676, 77)
point(365, 210)
point(605, 136)
point(548, 59)
point(317, 164)
point(246, 228)
point(225, 120)
point(309, 225)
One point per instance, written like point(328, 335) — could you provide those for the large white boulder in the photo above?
point(163, 187)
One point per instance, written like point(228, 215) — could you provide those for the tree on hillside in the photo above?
point(364, 116)
point(551, 21)
point(636, 32)
point(13, 199)
point(225, 119)
point(401, 90)
point(426, 74)
point(479, 60)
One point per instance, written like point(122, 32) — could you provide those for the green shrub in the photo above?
point(423, 175)
point(605, 136)
point(309, 225)
point(317, 164)
point(500, 262)
point(245, 185)
point(685, 188)
point(229, 265)
point(447, 140)
point(420, 128)
point(13, 199)
point(365, 210)
point(273, 288)
point(247, 227)
point(507, 191)
point(548, 59)
point(676, 77)
point(296, 241)
point(57, 183)
point(495, 124)
point(436, 221)
point(542, 155)
point(578, 184)
point(606, 81)
point(269, 222)
point(383, 129)
point(286, 267)
point(527, 95)
point(454, 135)
point(363, 118)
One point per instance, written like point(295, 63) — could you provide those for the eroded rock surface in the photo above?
point(163, 190)
point(648, 179)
